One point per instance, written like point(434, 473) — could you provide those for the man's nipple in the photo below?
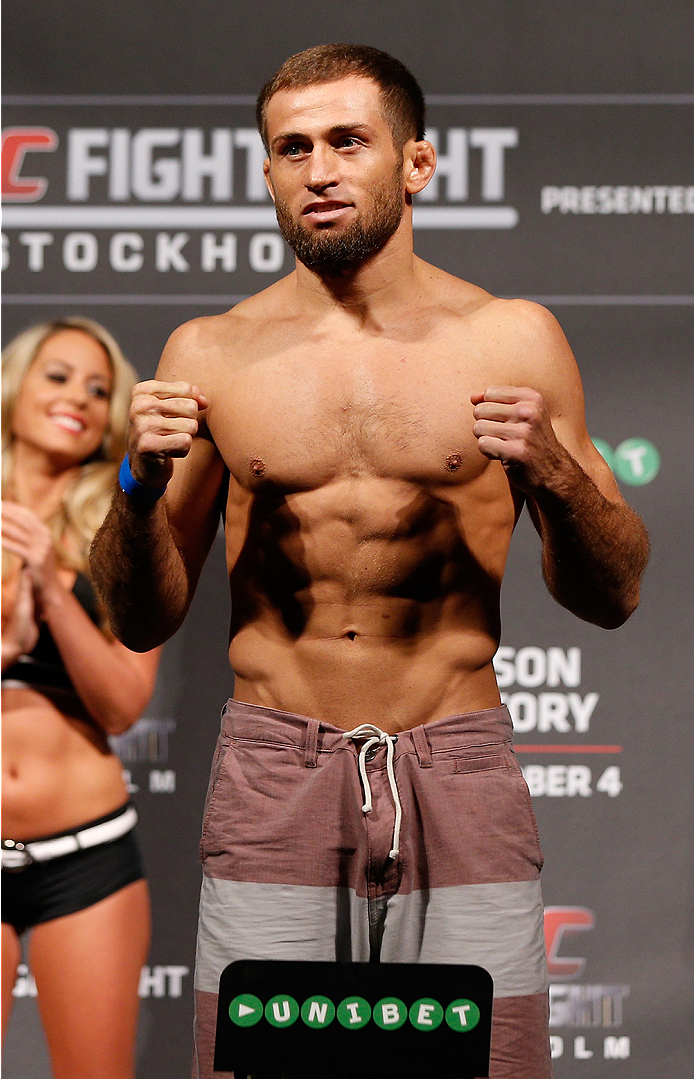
point(257, 467)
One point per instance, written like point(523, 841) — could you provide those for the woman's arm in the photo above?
point(113, 683)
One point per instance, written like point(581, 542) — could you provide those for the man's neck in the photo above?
point(387, 280)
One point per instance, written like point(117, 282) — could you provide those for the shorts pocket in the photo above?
point(482, 763)
point(220, 752)
point(520, 779)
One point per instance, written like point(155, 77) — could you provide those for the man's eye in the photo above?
point(293, 149)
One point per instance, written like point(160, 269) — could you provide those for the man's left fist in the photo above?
point(512, 425)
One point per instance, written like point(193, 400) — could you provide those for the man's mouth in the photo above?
point(326, 211)
point(68, 422)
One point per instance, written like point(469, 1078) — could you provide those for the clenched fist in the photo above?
point(512, 425)
point(163, 423)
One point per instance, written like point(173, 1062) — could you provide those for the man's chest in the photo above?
point(298, 422)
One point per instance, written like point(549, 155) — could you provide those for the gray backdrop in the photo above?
point(134, 196)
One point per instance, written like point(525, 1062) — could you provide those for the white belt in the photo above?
point(375, 736)
point(18, 855)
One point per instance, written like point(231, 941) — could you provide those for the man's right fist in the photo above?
point(163, 423)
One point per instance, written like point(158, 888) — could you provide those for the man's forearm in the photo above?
point(594, 551)
point(140, 573)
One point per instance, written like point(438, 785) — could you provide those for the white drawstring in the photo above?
point(375, 736)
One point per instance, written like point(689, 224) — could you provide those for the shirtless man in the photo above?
point(381, 425)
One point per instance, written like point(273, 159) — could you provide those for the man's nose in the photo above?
point(321, 171)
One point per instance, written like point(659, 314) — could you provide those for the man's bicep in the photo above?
point(194, 502)
point(562, 389)
point(581, 448)
point(567, 412)
point(195, 490)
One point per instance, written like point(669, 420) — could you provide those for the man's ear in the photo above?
point(420, 163)
point(268, 181)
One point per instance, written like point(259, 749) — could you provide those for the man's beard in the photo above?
point(331, 252)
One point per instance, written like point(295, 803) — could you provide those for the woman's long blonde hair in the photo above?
point(87, 499)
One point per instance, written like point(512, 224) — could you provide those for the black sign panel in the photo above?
point(283, 1019)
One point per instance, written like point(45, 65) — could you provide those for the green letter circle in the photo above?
point(353, 1013)
point(246, 1010)
point(426, 1014)
point(462, 1015)
point(636, 461)
point(390, 1013)
point(282, 1010)
point(313, 1008)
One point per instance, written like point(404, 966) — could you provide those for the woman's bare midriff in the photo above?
point(57, 769)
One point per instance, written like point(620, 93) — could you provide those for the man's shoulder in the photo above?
point(201, 341)
point(529, 345)
point(521, 325)
point(512, 315)
point(521, 318)
point(526, 331)
point(519, 340)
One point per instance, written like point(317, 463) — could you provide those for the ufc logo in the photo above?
point(558, 921)
point(16, 143)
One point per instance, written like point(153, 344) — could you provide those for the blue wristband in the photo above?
point(140, 492)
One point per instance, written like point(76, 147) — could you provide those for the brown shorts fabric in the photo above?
point(294, 869)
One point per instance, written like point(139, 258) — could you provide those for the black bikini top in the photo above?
point(43, 667)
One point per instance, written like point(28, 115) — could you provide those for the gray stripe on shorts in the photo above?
point(496, 926)
point(245, 920)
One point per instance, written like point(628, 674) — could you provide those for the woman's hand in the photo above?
point(21, 632)
point(26, 536)
point(113, 683)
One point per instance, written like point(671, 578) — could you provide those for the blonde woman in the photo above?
point(71, 868)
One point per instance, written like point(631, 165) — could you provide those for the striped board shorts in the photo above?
point(442, 867)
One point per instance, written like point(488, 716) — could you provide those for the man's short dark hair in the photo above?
point(403, 100)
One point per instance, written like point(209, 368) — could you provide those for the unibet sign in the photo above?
point(379, 1020)
point(354, 1013)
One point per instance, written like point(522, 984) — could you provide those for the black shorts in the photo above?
point(46, 890)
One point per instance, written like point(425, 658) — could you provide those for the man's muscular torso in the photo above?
point(366, 533)
point(382, 424)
